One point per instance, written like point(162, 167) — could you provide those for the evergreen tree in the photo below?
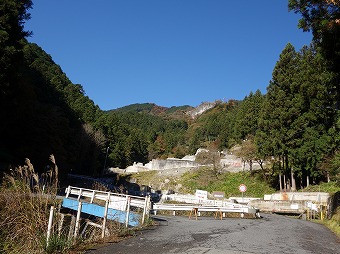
point(297, 121)
point(279, 109)
point(248, 112)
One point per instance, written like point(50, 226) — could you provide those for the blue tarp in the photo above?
point(97, 210)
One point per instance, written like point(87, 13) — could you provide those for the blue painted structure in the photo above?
point(97, 210)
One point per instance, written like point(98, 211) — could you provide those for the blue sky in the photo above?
point(168, 52)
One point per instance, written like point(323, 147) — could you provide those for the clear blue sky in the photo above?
point(168, 52)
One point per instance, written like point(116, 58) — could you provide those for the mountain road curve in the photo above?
point(270, 234)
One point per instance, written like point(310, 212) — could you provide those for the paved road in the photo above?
point(270, 234)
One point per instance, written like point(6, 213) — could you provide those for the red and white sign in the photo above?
point(242, 188)
point(201, 194)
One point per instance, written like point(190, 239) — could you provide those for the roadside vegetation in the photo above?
point(26, 198)
point(334, 223)
point(330, 187)
point(25, 201)
point(206, 179)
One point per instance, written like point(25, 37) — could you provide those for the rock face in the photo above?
point(156, 164)
point(201, 109)
point(228, 162)
point(171, 163)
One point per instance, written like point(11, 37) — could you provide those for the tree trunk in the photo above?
point(293, 179)
point(280, 181)
point(284, 182)
point(307, 181)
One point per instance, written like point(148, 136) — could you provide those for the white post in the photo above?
point(92, 197)
point(49, 228)
point(105, 214)
point(76, 229)
point(80, 193)
point(68, 191)
point(146, 206)
point(127, 211)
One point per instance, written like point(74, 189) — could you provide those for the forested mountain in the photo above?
point(153, 109)
point(294, 126)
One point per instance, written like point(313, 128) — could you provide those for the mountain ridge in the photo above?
point(154, 109)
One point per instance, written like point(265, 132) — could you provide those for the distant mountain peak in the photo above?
point(199, 110)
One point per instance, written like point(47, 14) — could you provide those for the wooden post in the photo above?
point(49, 228)
point(61, 222)
point(71, 231)
point(76, 229)
point(127, 211)
point(105, 214)
point(307, 213)
point(195, 209)
point(218, 212)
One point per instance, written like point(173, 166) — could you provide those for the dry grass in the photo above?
point(24, 208)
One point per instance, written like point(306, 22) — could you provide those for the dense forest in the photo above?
point(295, 125)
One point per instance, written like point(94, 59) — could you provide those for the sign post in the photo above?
point(242, 188)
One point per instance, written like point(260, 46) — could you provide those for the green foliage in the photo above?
point(205, 179)
point(174, 109)
point(247, 115)
point(43, 113)
point(140, 137)
point(331, 187)
point(297, 123)
point(322, 18)
point(57, 244)
point(334, 223)
point(137, 107)
point(12, 34)
point(216, 126)
point(153, 109)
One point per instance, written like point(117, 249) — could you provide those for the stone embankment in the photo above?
point(228, 163)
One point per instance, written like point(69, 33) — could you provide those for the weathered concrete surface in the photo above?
point(271, 234)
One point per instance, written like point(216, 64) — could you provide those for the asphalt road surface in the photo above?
point(270, 234)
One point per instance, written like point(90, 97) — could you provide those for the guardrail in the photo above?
point(227, 207)
point(116, 200)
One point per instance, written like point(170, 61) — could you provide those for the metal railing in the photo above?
point(226, 207)
point(116, 200)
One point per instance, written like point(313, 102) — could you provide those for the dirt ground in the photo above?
point(270, 234)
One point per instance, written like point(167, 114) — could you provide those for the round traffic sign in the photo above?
point(242, 188)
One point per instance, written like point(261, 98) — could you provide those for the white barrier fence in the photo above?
point(116, 200)
point(197, 205)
